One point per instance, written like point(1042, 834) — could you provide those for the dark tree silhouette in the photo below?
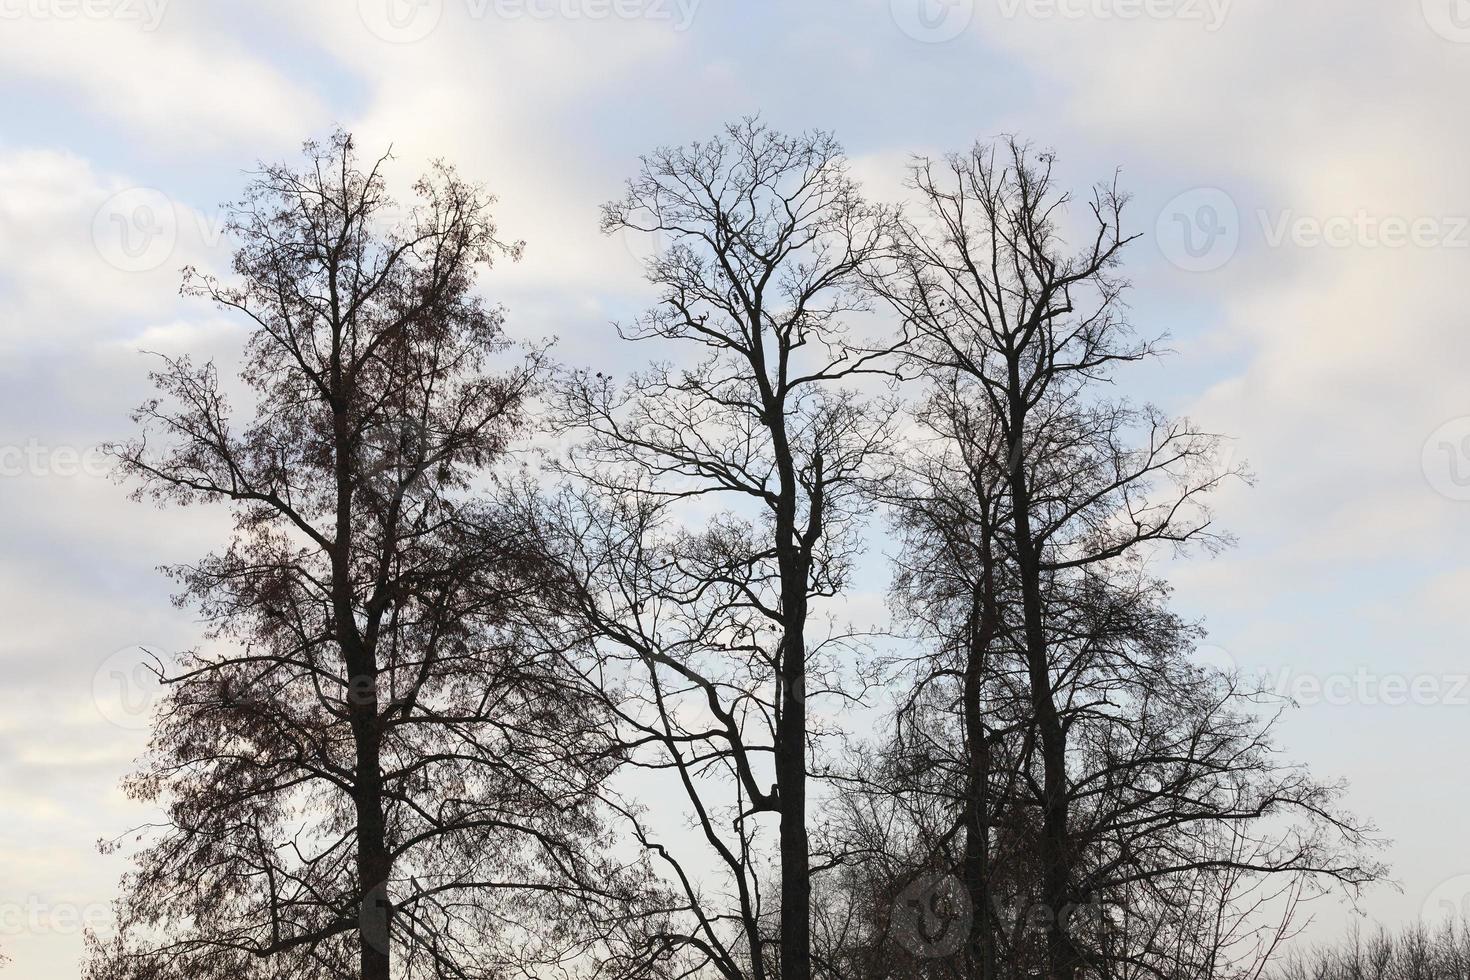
point(434, 701)
point(366, 765)
point(715, 505)
point(1135, 779)
point(1417, 952)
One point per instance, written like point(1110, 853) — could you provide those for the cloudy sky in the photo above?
point(1301, 177)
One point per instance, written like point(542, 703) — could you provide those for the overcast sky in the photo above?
point(1301, 177)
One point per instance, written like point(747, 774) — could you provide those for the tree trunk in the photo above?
point(978, 815)
point(374, 864)
point(796, 888)
point(1054, 851)
point(793, 561)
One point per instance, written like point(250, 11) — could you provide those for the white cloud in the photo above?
point(87, 254)
point(1331, 366)
point(174, 89)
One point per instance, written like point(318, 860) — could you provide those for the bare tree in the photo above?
point(366, 765)
point(1028, 529)
point(963, 732)
point(1419, 951)
point(425, 692)
point(714, 506)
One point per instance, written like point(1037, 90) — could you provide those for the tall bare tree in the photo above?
point(716, 504)
point(1029, 530)
point(366, 766)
